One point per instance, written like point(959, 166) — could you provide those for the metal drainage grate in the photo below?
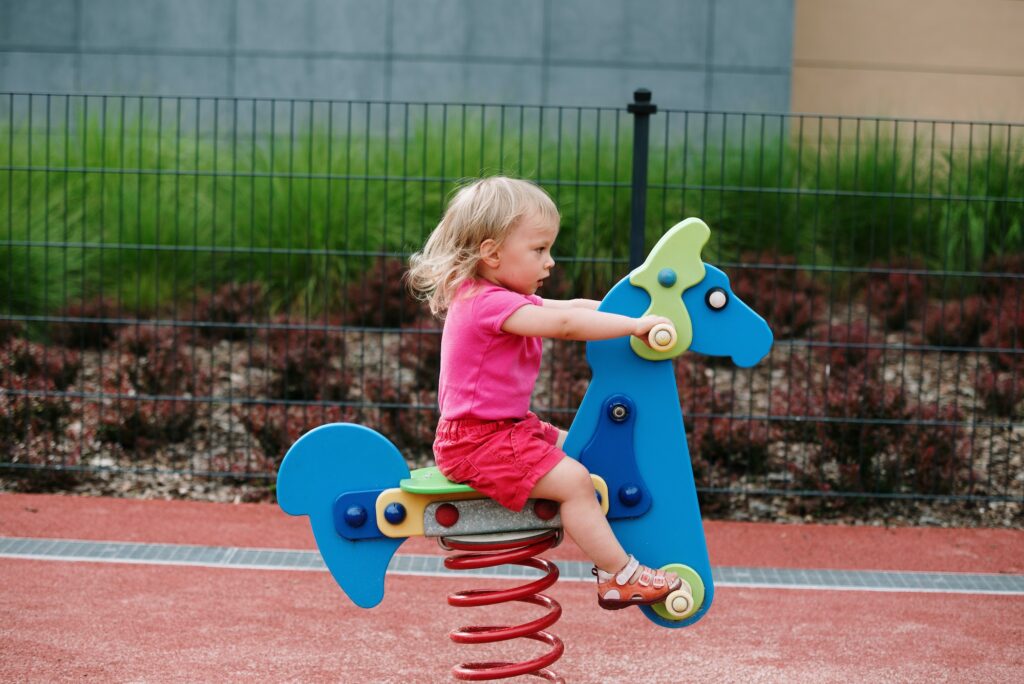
point(425, 565)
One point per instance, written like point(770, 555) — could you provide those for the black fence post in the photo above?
point(641, 108)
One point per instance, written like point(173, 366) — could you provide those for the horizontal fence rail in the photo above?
point(189, 284)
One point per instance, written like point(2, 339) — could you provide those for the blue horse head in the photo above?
point(710, 319)
point(708, 316)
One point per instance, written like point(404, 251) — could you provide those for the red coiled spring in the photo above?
point(492, 554)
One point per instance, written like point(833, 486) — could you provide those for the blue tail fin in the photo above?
point(325, 463)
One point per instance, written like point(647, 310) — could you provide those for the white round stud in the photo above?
point(717, 299)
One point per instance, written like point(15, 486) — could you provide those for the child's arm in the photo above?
point(577, 323)
point(571, 303)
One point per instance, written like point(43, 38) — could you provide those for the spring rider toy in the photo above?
point(363, 502)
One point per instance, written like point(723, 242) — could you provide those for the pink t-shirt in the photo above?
point(486, 373)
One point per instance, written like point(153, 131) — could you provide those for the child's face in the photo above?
point(523, 261)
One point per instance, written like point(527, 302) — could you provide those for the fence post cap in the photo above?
point(641, 103)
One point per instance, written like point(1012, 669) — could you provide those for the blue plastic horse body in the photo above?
point(671, 531)
point(341, 459)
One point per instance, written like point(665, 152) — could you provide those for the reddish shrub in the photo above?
point(739, 446)
point(141, 338)
point(394, 411)
point(10, 329)
point(140, 423)
point(149, 362)
point(1000, 287)
point(276, 426)
point(1005, 334)
point(806, 409)
point(26, 409)
point(955, 323)
point(306, 361)
point(157, 363)
point(144, 425)
point(91, 326)
point(721, 446)
point(853, 421)
point(896, 297)
point(380, 299)
point(33, 407)
point(1001, 391)
point(420, 350)
point(570, 376)
point(700, 403)
point(47, 368)
point(233, 307)
point(933, 457)
point(861, 408)
point(849, 346)
point(779, 291)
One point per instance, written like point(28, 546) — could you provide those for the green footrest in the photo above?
point(431, 481)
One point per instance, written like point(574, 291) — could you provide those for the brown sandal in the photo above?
point(632, 588)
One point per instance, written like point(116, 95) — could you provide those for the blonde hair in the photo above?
point(485, 209)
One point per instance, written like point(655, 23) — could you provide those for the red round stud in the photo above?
point(544, 509)
point(446, 515)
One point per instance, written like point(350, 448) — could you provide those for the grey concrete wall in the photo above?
point(694, 54)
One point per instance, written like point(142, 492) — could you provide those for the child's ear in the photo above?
point(489, 253)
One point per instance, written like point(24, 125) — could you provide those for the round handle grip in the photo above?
point(662, 337)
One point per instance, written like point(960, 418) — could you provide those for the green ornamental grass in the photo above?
point(146, 217)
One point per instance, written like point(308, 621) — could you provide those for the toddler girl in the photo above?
point(480, 270)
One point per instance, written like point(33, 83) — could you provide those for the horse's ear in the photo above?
point(672, 267)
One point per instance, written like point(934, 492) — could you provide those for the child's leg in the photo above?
point(570, 485)
point(621, 580)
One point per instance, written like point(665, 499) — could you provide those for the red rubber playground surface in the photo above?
point(125, 620)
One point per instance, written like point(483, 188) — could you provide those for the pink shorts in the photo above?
point(500, 458)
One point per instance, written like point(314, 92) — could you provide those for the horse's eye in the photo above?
point(716, 298)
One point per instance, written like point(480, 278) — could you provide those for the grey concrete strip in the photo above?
point(71, 550)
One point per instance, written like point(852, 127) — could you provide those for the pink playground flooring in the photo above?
point(102, 621)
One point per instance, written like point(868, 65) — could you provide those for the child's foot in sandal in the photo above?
point(634, 585)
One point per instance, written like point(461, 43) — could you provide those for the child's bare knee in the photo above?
point(579, 479)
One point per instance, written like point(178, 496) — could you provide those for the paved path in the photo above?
point(129, 590)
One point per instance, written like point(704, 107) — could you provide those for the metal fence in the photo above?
point(191, 283)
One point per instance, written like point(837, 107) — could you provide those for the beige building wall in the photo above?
point(930, 59)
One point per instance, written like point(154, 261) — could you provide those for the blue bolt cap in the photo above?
point(666, 277)
point(394, 513)
point(630, 495)
point(355, 516)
